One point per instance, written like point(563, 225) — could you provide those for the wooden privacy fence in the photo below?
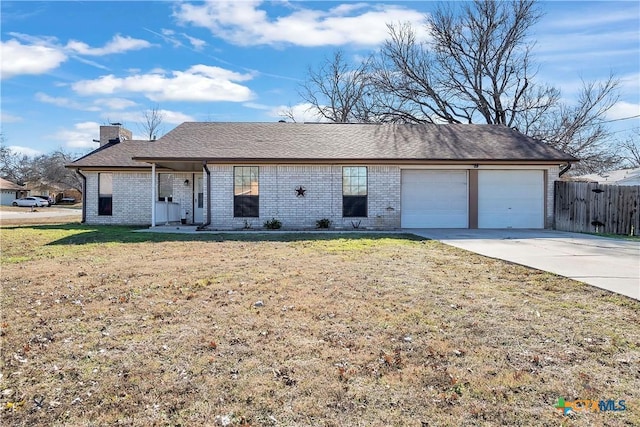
point(594, 208)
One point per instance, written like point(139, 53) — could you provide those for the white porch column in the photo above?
point(205, 195)
point(153, 194)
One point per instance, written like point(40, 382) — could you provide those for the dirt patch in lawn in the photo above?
point(330, 331)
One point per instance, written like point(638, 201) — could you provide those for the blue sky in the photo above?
point(70, 66)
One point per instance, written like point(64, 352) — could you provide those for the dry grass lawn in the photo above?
point(102, 326)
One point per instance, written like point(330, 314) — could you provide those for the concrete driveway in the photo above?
point(612, 264)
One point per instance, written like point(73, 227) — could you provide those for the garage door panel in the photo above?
point(434, 199)
point(420, 176)
point(511, 199)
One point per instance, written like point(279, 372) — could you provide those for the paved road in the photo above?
point(612, 264)
point(40, 213)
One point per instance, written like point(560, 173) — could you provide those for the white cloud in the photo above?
point(303, 112)
point(20, 58)
point(243, 23)
point(41, 54)
point(195, 42)
point(578, 45)
point(168, 116)
point(97, 104)
point(26, 151)
point(623, 109)
point(590, 40)
point(9, 118)
point(175, 117)
point(256, 106)
point(198, 83)
point(64, 102)
point(81, 136)
point(170, 37)
point(115, 103)
point(118, 44)
point(166, 35)
point(38, 40)
point(89, 62)
point(630, 84)
point(592, 18)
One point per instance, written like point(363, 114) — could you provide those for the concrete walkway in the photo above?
point(608, 263)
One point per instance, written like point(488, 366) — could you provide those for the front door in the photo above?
point(198, 201)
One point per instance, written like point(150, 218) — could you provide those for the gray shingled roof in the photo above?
point(331, 142)
point(115, 155)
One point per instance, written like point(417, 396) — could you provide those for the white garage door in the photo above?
point(511, 199)
point(434, 199)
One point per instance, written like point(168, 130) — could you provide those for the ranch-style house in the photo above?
point(373, 176)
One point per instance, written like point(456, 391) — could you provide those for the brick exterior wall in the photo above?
point(131, 203)
point(322, 199)
point(110, 132)
point(552, 177)
point(277, 184)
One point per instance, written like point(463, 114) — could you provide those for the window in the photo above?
point(354, 191)
point(200, 191)
point(105, 193)
point(245, 191)
point(165, 186)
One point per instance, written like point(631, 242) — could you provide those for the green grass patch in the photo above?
point(23, 243)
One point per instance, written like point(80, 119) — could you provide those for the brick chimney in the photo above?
point(113, 133)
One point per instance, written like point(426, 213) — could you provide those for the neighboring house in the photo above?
point(54, 191)
point(382, 176)
point(10, 191)
point(617, 177)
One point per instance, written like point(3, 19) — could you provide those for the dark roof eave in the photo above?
point(88, 167)
point(342, 160)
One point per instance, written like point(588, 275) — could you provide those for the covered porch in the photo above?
point(178, 193)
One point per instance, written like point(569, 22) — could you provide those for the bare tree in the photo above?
point(152, 122)
point(288, 114)
point(50, 169)
point(44, 168)
point(579, 129)
point(477, 68)
point(14, 166)
point(404, 72)
point(630, 149)
point(336, 90)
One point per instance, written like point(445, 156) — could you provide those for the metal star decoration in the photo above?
point(300, 191)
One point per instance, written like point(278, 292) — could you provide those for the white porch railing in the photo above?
point(167, 212)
